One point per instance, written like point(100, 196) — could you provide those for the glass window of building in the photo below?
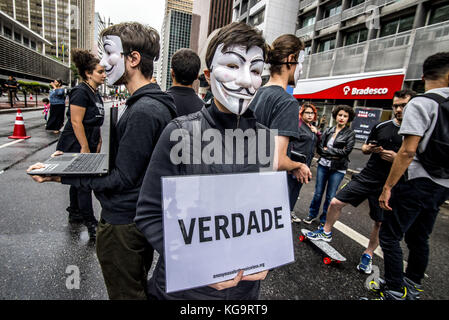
point(308, 21)
point(26, 41)
point(356, 37)
point(356, 3)
point(257, 19)
point(17, 37)
point(326, 45)
point(439, 14)
point(332, 10)
point(398, 25)
point(7, 32)
point(33, 45)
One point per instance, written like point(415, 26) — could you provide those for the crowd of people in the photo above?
point(404, 191)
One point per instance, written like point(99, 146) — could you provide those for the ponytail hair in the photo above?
point(84, 61)
point(280, 49)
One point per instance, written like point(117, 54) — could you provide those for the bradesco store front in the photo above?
point(370, 94)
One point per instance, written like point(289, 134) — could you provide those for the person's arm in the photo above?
point(341, 152)
point(133, 155)
point(76, 117)
point(400, 164)
point(282, 162)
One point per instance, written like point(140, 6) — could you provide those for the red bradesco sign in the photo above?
point(373, 85)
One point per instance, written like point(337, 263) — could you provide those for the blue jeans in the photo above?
point(324, 176)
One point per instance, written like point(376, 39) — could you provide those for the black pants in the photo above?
point(415, 206)
point(56, 117)
point(293, 190)
point(82, 200)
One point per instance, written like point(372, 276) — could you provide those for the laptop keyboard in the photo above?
point(85, 162)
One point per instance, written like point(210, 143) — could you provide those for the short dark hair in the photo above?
point(140, 38)
point(404, 93)
point(436, 66)
point(345, 108)
point(236, 33)
point(186, 65)
point(281, 48)
point(45, 100)
point(84, 62)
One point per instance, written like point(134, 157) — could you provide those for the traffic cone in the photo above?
point(31, 97)
point(19, 127)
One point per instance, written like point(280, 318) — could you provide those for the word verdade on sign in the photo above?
point(216, 225)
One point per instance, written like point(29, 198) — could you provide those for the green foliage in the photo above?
point(30, 86)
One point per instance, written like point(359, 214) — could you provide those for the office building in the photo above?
point(176, 33)
point(37, 36)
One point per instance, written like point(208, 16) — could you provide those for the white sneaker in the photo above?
point(295, 218)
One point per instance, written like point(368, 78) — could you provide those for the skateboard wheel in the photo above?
point(301, 238)
point(327, 260)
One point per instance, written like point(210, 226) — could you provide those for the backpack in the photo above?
point(435, 159)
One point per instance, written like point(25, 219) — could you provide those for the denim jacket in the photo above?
point(57, 96)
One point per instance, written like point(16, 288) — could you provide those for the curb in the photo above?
point(14, 110)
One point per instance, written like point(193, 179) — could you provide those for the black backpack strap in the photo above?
point(434, 96)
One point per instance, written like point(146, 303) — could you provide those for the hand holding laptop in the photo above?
point(40, 165)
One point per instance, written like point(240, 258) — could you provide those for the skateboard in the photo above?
point(331, 255)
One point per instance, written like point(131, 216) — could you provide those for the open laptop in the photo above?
point(83, 164)
point(75, 164)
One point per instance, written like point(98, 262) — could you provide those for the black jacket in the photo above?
point(148, 112)
point(339, 153)
point(149, 217)
point(186, 100)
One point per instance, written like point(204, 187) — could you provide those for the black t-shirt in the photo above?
point(276, 109)
point(83, 96)
point(386, 133)
point(12, 83)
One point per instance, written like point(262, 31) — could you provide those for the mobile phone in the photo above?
point(373, 142)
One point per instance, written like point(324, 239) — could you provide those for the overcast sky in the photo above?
point(149, 12)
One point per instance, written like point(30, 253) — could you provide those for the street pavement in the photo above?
point(39, 249)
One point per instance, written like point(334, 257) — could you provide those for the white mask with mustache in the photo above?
point(235, 76)
point(113, 59)
point(298, 70)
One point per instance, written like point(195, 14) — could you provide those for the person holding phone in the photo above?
point(383, 143)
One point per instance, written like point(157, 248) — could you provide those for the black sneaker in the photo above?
point(308, 220)
point(413, 289)
point(394, 295)
point(74, 215)
point(92, 229)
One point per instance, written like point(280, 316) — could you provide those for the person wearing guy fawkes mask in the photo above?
point(277, 109)
point(234, 59)
point(124, 254)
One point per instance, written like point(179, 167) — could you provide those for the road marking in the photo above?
point(357, 237)
point(11, 143)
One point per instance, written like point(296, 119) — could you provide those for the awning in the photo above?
point(370, 85)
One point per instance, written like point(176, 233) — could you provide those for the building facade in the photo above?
point(358, 49)
point(37, 36)
point(176, 33)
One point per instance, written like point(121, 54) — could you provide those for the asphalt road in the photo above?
point(38, 248)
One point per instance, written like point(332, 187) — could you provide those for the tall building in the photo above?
point(212, 14)
point(272, 17)
point(42, 35)
point(176, 32)
point(220, 14)
point(360, 52)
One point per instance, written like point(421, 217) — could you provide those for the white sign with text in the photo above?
point(216, 225)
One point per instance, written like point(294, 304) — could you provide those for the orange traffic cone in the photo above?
point(19, 127)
